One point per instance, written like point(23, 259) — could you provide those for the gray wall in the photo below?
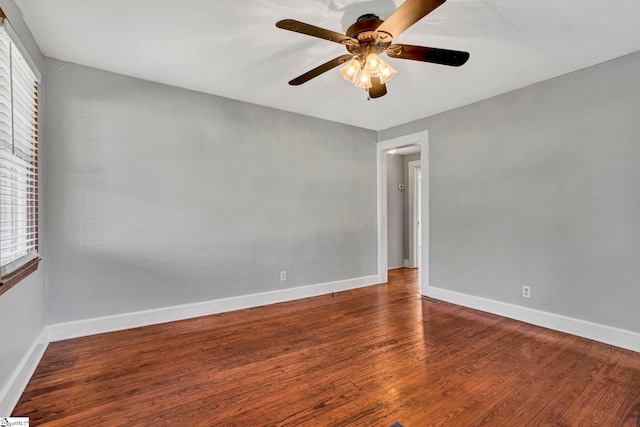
point(541, 187)
point(22, 308)
point(162, 196)
point(395, 211)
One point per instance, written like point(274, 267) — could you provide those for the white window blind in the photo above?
point(18, 158)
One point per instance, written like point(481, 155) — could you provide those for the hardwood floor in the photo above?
point(367, 357)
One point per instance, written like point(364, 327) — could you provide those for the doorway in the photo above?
point(420, 139)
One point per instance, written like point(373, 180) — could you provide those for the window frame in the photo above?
point(30, 260)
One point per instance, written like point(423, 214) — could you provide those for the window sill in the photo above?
point(7, 282)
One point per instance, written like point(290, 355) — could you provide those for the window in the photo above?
point(18, 163)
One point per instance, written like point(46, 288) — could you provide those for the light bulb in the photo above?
point(350, 71)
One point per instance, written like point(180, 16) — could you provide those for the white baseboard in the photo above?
point(12, 391)
point(406, 263)
point(80, 328)
point(582, 328)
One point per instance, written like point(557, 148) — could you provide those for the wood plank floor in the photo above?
point(367, 357)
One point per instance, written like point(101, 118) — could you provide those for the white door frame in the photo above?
point(413, 208)
point(421, 139)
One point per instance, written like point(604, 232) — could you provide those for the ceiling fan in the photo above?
point(367, 38)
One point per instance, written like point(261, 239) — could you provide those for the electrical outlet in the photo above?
point(526, 291)
point(283, 275)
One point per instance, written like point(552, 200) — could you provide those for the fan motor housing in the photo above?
point(365, 24)
point(369, 41)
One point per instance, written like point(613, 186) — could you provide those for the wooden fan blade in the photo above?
point(311, 30)
point(410, 12)
point(454, 58)
point(320, 69)
point(377, 89)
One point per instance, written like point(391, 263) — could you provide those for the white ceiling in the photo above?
point(233, 48)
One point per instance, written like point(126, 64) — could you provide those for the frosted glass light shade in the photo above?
point(385, 72)
point(363, 80)
point(350, 71)
point(372, 63)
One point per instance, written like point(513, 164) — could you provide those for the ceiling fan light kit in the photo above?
point(370, 37)
point(361, 76)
